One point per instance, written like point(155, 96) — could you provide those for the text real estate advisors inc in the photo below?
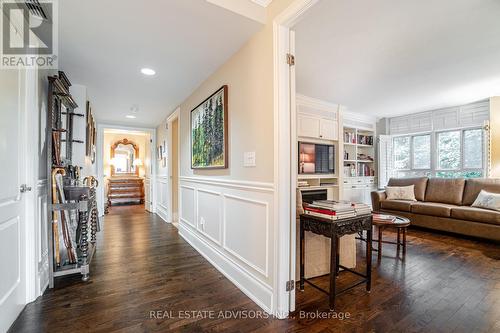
point(242, 314)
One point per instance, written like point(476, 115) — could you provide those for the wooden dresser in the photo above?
point(125, 190)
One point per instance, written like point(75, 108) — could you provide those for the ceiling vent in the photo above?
point(36, 9)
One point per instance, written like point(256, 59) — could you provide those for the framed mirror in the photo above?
point(125, 158)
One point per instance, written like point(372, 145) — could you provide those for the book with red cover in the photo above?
point(321, 211)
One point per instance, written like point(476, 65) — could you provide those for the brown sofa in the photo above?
point(445, 204)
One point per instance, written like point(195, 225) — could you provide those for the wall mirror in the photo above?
point(125, 158)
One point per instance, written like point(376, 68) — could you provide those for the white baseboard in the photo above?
point(258, 292)
point(162, 213)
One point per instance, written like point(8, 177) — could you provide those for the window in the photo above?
point(422, 152)
point(447, 154)
point(473, 152)
point(402, 153)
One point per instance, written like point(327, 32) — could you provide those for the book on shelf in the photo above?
point(365, 139)
point(365, 170)
point(349, 137)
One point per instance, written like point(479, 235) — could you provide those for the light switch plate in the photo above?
point(249, 159)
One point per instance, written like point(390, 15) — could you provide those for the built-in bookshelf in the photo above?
point(359, 152)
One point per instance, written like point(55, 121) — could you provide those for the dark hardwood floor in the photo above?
point(447, 284)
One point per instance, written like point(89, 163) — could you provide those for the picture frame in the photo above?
point(209, 132)
point(91, 134)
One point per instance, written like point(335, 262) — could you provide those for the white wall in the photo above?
point(228, 215)
point(79, 93)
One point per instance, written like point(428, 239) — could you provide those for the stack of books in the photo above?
point(335, 210)
point(361, 208)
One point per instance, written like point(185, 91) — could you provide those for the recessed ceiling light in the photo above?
point(130, 116)
point(148, 71)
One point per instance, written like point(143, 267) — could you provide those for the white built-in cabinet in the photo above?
point(317, 126)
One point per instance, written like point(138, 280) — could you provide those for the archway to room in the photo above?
point(126, 166)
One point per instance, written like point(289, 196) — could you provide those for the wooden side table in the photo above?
point(334, 230)
point(400, 223)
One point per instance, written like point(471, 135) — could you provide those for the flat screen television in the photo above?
point(316, 158)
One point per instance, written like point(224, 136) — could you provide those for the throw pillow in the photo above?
point(487, 200)
point(400, 192)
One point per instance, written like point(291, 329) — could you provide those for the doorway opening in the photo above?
point(173, 166)
point(127, 168)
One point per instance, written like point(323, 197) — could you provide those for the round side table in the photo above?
point(400, 223)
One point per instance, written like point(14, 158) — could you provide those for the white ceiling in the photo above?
point(391, 57)
point(104, 44)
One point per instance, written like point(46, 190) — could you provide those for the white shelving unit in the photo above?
point(359, 165)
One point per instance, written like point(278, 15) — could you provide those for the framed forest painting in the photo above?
point(209, 128)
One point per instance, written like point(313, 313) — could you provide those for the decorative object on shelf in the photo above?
point(209, 132)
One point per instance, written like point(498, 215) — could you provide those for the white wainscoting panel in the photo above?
point(42, 278)
point(231, 224)
point(10, 257)
point(188, 205)
point(210, 215)
point(162, 197)
point(246, 231)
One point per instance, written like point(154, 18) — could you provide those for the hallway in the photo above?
point(142, 266)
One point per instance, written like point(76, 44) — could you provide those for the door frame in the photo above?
point(174, 116)
point(100, 159)
point(284, 138)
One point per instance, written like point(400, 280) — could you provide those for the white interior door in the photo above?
point(12, 208)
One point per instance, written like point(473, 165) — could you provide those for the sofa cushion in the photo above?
point(487, 200)
point(419, 182)
point(400, 192)
point(474, 186)
point(432, 208)
point(400, 205)
point(476, 215)
point(445, 190)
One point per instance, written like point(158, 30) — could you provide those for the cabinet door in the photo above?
point(308, 126)
point(352, 193)
point(328, 129)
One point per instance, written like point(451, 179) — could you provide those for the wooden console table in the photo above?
point(334, 230)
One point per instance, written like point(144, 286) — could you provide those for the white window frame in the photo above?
point(412, 162)
point(434, 153)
